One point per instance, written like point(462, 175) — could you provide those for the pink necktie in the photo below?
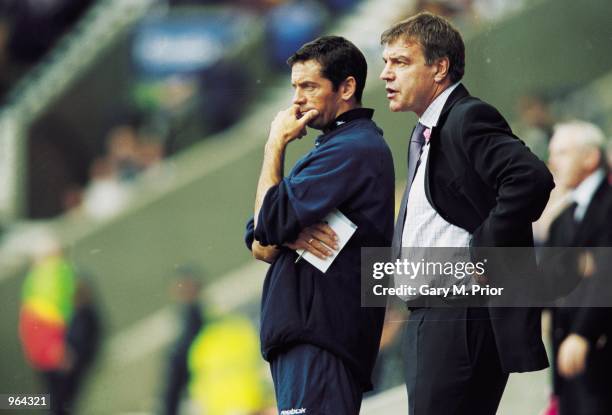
point(427, 134)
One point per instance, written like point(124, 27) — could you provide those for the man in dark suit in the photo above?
point(471, 183)
point(582, 356)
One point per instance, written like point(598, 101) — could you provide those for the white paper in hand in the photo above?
point(344, 229)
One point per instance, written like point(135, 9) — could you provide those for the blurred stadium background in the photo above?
point(133, 131)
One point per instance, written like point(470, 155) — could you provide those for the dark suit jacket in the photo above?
point(483, 179)
point(559, 259)
point(594, 230)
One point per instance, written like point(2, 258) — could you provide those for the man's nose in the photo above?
point(298, 98)
point(386, 74)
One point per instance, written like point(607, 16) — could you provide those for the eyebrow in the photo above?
point(397, 58)
point(304, 83)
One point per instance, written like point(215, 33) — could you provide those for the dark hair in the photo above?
point(339, 59)
point(437, 37)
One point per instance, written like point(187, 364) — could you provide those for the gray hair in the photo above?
point(587, 134)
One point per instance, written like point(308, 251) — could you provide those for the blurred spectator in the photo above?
point(226, 368)
point(72, 198)
point(46, 311)
point(105, 195)
point(150, 153)
point(122, 151)
point(581, 362)
point(131, 149)
point(536, 123)
point(82, 338)
point(185, 290)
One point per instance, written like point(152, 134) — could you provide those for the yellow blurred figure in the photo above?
point(46, 310)
point(224, 365)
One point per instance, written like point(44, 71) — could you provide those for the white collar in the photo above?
point(432, 114)
point(585, 191)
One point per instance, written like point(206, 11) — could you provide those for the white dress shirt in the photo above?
point(423, 226)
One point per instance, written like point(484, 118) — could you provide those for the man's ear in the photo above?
point(348, 88)
point(592, 159)
point(442, 66)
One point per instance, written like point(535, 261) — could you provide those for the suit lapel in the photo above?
point(434, 143)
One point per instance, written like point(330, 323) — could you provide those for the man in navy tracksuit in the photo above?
point(320, 342)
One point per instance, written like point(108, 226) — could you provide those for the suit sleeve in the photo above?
point(522, 182)
point(330, 177)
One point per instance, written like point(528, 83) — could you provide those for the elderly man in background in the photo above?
point(582, 357)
